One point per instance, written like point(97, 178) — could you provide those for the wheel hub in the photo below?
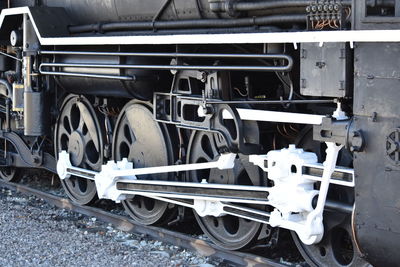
point(139, 155)
point(218, 176)
point(76, 148)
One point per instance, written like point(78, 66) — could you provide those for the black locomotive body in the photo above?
point(257, 115)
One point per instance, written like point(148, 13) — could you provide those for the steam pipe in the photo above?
point(283, 68)
point(182, 24)
point(227, 6)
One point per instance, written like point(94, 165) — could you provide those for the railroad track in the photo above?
point(122, 223)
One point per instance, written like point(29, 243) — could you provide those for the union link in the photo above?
point(296, 205)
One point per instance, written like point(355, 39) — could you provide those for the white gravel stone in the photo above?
point(34, 233)
point(160, 253)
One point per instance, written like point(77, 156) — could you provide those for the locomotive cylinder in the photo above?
point(126, 82)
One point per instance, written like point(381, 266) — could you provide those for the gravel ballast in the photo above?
point(33, 233)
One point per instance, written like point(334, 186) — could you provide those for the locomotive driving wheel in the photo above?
point(229, 232)
point(337, 247)
point(145, 143)
point(8, 174)
point(78, 132)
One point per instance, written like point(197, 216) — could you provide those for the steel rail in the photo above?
point(122, 223)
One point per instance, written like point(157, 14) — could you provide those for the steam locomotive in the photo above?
point(257, 115)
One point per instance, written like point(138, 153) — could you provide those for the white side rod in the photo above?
point(225, 161)
point(65, 168)
point(271, 116)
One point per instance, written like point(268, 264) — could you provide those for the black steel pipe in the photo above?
point(182, 24)
point(338, 206)
point(280, 68)
point(229, 6)
point(170, 55)
point(247, 29)
point(89, 75)
point(381, 3)
point(286, 68)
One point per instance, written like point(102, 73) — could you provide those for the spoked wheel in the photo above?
point(229, 232)
point(146, 143)
point(78, 132)
point(9, 174)
point(337, 247)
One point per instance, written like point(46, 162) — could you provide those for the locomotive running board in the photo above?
point(59, 20)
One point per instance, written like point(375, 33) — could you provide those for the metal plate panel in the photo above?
point(324, 69)
point(377, 213)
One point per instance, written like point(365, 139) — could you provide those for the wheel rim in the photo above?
point(145, 143)
point(337, 247)
point(78, 132)
point(229, 232)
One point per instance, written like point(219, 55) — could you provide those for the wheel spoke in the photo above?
point(81, 125)
point(131, 120)
point(67, 116)
point(88, 119)
point(63, 131)
point(86, 138)
point(126, 139)
point(89, 164)
point(392, 146)
point(72, 182)
point(204, 155)
point(142, 204)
